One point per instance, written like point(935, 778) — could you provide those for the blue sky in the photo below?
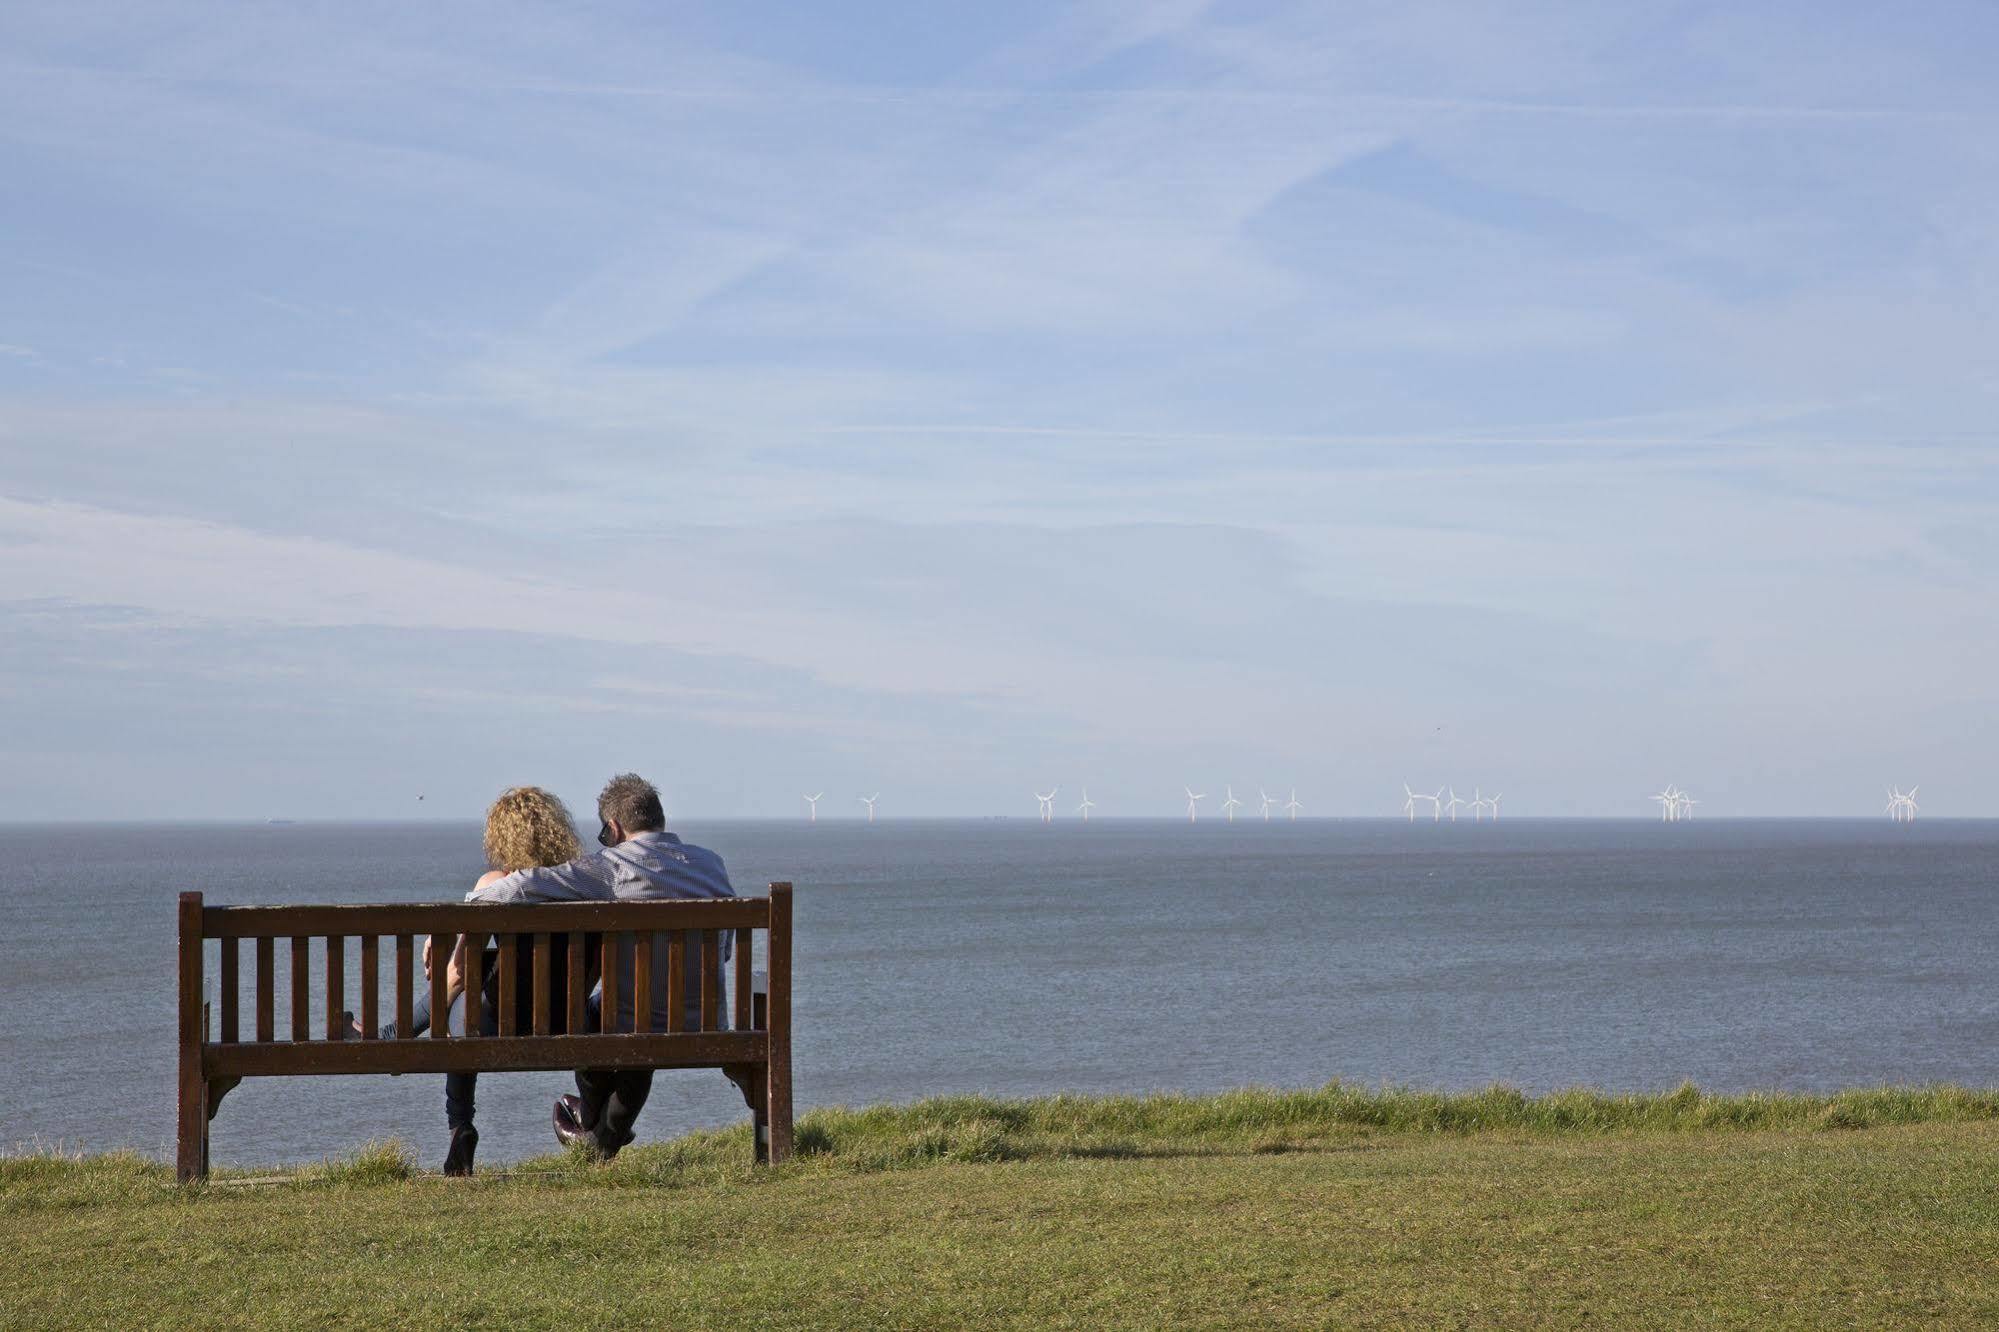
point(955, 400)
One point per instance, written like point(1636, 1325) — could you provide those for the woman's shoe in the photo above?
point(464, 1141)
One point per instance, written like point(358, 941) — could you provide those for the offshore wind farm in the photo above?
point(1675, 805)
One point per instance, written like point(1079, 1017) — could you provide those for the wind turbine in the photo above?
point(1266, 802)
point(1048, 804)
point(869, 801)
point(1292, 807)
point(1687, 804)
point(1436, 805)
point(1230, 805)
point(1453, 803)
point(1409, 805)
point(812, 801)
point(1084, 808)
point(1669, 803)
point(1477, 805)
point(1902, 808)
point(1492, 803)
point(1193, 805)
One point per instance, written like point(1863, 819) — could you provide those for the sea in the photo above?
point(1014, 958)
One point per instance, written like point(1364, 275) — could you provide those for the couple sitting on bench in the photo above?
point(532, 846)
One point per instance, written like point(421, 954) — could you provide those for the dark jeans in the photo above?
point(461, 1089)
point(612, 1097)
point(419, 1019)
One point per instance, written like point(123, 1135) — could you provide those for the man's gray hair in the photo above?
point(630, 801)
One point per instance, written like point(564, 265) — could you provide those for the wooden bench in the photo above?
point(753, 1044)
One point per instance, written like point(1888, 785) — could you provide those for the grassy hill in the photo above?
point(1254, 1209)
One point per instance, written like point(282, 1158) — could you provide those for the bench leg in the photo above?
point(191, 1142)
point(191, 1138)
point(776, 1112)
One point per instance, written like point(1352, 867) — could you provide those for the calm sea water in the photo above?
point(1013, 958)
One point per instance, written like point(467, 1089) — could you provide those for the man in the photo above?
point(641, 861)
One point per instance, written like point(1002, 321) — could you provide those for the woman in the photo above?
point(525, 827)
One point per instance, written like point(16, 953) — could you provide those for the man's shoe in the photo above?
point(572, 1113)
point(464, 1141)
point(570, 1129)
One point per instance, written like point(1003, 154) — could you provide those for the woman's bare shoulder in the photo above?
point(488, 877)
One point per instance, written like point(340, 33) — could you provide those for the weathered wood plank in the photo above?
point(576, 983)
point(336, 986)
point(642, 983)
point(440, 993)
point(191, 1135)
point(301, 988)
point(460, 917)
point(741, 1020)
point(230, 983)
point(676, 982)
point(371, 993)
point(505, 983)
point(405, 985)
point(544, 960)
point(779, 1057)
point(607, 1012)
point(711, 980)
point(475, 984)
point(266, 989)
point(493, 1054)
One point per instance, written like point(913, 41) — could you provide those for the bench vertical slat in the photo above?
point(301, 988)
point(676, 981)
point(503, 986)
point(405, 983)
point(778, 1067)
point(742, 1021)
point(336, 985)
point(231, 982)
point(475, 985)
point(191, 1137)
point(371, 995)
point(577, 983)
point(607, 1014)
point(440, 997)
point(543, 959)
point(711, 980)
point(642, 981)
point(266, 990)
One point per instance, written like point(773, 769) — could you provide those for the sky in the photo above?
point(401, 402)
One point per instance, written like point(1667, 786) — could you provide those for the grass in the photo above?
point(1337, 1206)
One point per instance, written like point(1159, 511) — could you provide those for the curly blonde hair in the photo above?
point(527, 827)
